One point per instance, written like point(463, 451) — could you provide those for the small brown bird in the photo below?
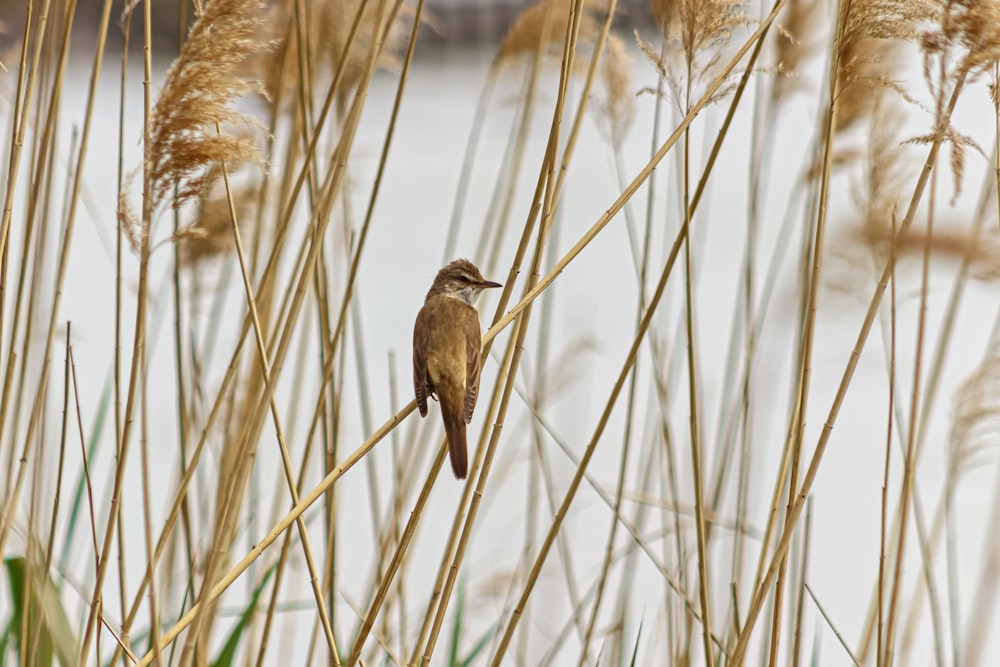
point(446, 345)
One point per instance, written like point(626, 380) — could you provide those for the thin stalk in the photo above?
point(829, 622)
point(139, 339)
point(909, 461)
point(704, 590)
point(147, 519)
point(797, 427)
point(119, 245)
point(880, 633)
point(24, 92)
point(803, 576)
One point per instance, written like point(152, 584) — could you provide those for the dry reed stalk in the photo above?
point(518, 40)
point(705, 30)
point(280, 563)
point(41, 158)
point(284, 524)
point(23, 98)
point(616, 76)
point(522, 32)
point(500, 400)
point(331, 344)
point(539, 33)
point(879, 597)
point(125, 22)
point(981, 627)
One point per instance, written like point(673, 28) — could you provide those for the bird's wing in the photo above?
point(420, 343)
point(473, 343)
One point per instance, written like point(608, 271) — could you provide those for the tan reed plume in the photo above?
point(795, 42)
point(335, 18)
point(197, 98)
point(868, 53)
point(211, 234)
point(543, 24)
point(616, 106)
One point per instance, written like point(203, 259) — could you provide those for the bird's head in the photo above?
point(460, 280)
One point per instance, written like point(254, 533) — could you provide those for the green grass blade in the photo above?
point(46, 620)
point(228, 653)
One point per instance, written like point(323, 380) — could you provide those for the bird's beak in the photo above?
point(489, 283)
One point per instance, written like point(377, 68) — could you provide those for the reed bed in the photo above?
point(739, 403)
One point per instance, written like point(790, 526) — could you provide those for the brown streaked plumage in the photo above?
point(446, 344)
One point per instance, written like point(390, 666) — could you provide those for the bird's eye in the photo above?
point(465, 279)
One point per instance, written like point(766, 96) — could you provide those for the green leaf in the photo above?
point(456, 628)
point(635, 647)
point(228, 653)
point(49, 634)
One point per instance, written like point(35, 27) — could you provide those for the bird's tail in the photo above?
point(454, 428)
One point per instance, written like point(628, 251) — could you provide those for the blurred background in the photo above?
point(450, 172)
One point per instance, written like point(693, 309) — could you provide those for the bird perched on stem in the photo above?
point(446, 345)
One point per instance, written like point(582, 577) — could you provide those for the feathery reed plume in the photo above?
point(864, 76)
point(330, 26)
point(665, 15)
point(196, 99)
point(963, 41)
point(970, 25)
point(959, 142)
point(276, 68)
point(876, 194)
point(616, 107)
point(793, 45)
point(707, 25)
point(976, 420)
point(335, 18)
point(211, 234)
point(868, 53)
point(543, 24)
point(703, 28)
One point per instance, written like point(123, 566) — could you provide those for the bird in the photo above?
point(446, 346)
